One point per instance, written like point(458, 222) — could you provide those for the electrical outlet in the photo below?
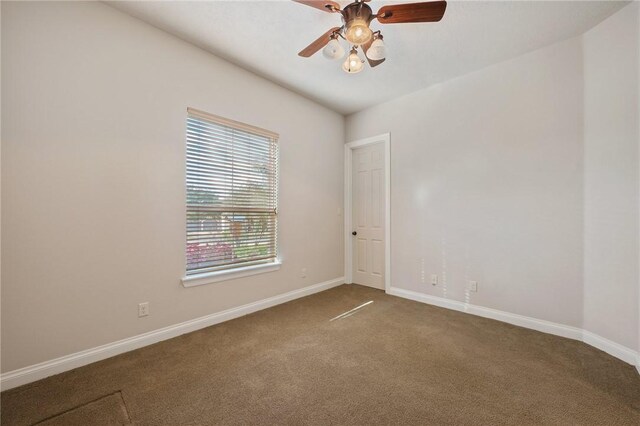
point(434, 279)
point(303, 273)
point(473, 286)
point(143, 309)
point(422, 278)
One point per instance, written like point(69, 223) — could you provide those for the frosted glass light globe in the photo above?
point(358, 32)
point(353, 64)
point(377, 51)
point(333, 50)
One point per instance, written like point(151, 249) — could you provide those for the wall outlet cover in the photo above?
point(143, 309)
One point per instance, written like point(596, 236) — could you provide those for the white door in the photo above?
point(368, 208)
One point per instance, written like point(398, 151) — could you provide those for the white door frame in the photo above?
point(348, 159)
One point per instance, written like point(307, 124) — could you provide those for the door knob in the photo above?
point(354, 233)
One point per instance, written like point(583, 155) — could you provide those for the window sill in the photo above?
point(230, 274)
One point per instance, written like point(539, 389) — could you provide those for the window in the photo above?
point(232, 172)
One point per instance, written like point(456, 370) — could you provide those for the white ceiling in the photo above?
point(265, 37)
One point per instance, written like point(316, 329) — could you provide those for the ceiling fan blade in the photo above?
point(365, 49)
point(432, 11)
point(318, 44)
point(326, 5)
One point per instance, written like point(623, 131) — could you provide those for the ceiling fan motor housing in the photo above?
point(357, 11)
point(357, 17)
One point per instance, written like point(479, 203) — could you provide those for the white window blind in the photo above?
point(232, 171)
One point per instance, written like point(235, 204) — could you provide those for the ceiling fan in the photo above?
point(356, 18)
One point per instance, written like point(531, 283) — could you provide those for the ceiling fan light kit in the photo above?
point(356, 18)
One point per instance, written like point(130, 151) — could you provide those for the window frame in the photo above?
point(244, 268)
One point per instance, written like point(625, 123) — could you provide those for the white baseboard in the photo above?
point(615, 349)
point(39, 371)
point(612, 348)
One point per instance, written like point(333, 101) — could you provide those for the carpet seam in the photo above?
point(80, 405)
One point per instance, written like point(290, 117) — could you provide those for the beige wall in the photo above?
point(612, 192)
point(486, 184)
point(93, 215)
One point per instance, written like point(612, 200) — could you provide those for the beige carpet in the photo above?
point(392, 361)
